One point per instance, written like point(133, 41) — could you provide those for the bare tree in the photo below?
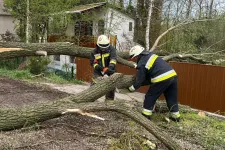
point(199, 3)
point(148, 24)
point(189, 8)
point(211, 8)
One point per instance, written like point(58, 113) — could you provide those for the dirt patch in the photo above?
point(17, 93)
point(70, 132)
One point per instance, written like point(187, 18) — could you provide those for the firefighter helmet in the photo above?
point(136, 50)
point(103, 41)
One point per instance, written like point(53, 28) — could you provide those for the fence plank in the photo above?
point(199, 86)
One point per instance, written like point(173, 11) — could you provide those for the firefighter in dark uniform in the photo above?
point(162, 78)
point(103, 60)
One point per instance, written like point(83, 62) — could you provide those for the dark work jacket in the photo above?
point(106, 58)
point(158, 71)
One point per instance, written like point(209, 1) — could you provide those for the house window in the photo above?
point(101, 25)
point(72, 59)
point(130, 26)
point(57, 57)
point(83, 28)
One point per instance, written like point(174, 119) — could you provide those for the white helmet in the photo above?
point(136, 50)
point(103, 41)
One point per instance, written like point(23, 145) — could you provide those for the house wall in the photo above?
point(70, 30)
point(6, 20)
point(118, 24)
point(58, 65)
point(6, 23)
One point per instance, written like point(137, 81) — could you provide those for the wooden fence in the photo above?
point(200, 86)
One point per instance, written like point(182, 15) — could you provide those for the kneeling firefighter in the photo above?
point(103, 59)
point(154, 71)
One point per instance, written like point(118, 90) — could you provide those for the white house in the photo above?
point(96, 19)
point(6, 20)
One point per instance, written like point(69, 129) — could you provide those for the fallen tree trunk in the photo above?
point(33, 114)
point(63, 48)
point(31, 49)
point(20, 117)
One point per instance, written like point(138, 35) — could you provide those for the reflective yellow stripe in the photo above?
point(97, 56)
point(103, 61)
point(175, 115)
point(151, 61)
point(147, 112)
point(164, 76)
point(105, 55)
point(113, 62)
point(95, 65)
point(103, 58)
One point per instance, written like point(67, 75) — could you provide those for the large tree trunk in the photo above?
point(33, 49)
point(52, 49)
point(16, 118)
point(156, 20)
point(148, 24)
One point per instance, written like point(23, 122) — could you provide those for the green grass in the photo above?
point(26, 75)
point(128, 141)
point(16, 74)
point(205, 131)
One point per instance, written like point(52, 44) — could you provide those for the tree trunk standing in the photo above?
point(188, 8)
point(28, 22)
point(156, 19)
point(148, 24)
point(121, 4)
point(211, 8)
point(140, 24)
point(199, 2)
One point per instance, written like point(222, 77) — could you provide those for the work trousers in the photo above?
point(168, 88)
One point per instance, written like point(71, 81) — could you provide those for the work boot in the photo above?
point(175, 116)
point(147, 113)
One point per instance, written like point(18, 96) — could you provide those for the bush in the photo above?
point(38, 65)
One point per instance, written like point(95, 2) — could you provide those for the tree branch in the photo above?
point(190, 56)
point(186, 22)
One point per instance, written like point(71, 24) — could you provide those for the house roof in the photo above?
point(81, 8)
point(2, 9)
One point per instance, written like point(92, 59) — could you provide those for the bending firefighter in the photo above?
point(154, 71)
point(103, 59)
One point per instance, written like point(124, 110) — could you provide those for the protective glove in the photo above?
point(108, 71)
point(99, 68)
point(131, 88)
